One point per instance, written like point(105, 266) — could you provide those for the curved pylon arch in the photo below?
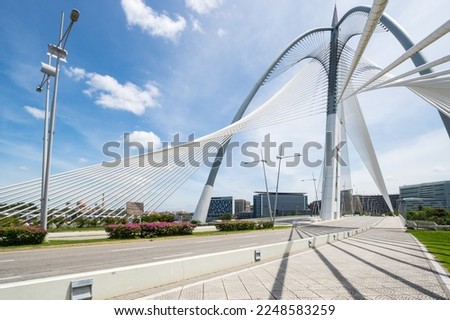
point(201, 210)
point(103, 190)
point(406, 42)
point(385, 21)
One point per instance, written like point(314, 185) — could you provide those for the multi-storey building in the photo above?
point(220, 206)
point(432, 194)
point(287, 203)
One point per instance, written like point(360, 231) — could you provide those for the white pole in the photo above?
point(276, 191)
point(267, 188)
point(44, 208)
point(44, 147)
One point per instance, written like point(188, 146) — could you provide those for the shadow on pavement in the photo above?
point(393, 275)
point(340, 277)
point(278, 285)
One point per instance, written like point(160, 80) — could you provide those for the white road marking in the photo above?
point(173, 256)
point(248, 245)
point(208, 241)
point(132, 249)
point(10, 278)
point(11, 260)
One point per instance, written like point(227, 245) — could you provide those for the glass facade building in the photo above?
point(219, 206)
point(433, 194)
point(287, 203)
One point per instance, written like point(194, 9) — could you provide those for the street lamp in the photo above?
point(280, 157)
point(54, 51)
point(265, 181)
point(315, 190)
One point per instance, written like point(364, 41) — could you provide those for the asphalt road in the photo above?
point(20, 265)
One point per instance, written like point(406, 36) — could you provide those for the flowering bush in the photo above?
point(159, 229)
point(148, 229)
point(123, 231)
point(10, 236)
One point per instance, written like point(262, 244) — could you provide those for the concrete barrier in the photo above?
point(113, 282)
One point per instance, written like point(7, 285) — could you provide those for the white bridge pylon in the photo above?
point(348, 73)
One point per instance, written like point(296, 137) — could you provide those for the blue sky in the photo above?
point(158, 68)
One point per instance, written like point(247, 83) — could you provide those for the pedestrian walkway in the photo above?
point(382, 263)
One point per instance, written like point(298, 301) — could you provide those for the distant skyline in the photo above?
point(155, 69)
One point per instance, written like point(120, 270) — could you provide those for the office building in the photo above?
point(288, 203)
point(219, 206)
point(432, 194)
point(241, 205)
point(373, 204)
point(360, 203)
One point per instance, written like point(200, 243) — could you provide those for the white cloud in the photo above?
point(83, 160)
point(221, 32)
point(76, 73)
point(128, 96)
point(196, 25)
point(24, 168)
point(203, 6)
point(35, 112)
point(153, 23)
point(109, 93)
point(146, 138)
point(440, 168)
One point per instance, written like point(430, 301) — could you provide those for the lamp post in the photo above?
point(280, 157)
point(54, 51)
point(265, 181)
point(315, 190)
point(46, 81)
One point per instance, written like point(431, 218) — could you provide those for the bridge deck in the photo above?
point(382, 263)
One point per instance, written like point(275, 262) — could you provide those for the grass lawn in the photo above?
point(437, 243)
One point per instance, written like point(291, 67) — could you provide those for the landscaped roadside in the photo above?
point(76, 242)
point(437, 243)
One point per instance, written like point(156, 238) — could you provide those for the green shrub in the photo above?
point(236, 225)
point(56, 221)
point(243, 225)
point(161, 229)
point(123, 231)
point(148, 229)
point(440, 216)
point(12, 236)
point(10, 221)
point(226, 216)
point(264, 224)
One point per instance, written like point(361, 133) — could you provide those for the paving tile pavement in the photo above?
point(382, 263)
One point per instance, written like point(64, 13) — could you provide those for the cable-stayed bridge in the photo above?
point(329, 84)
